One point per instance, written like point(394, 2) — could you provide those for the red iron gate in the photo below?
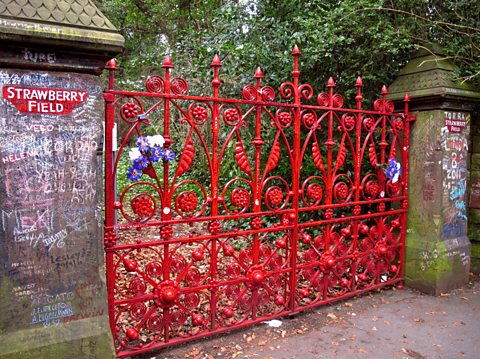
point(239, 211)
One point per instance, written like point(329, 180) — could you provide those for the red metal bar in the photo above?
point(109, 233)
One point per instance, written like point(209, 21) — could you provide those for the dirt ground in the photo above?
point(390, 323)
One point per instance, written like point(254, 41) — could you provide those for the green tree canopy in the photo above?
point(342, 38)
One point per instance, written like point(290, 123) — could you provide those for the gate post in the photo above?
point(437, 247)
point(52, 288)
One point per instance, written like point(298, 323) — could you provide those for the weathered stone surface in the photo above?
point(475, 266)
point(50, 191)
point(66, 35)
point(86, 338)
point(437, 248)
point(474, 189)
point(436, 267)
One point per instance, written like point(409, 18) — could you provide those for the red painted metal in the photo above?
point(273, 204)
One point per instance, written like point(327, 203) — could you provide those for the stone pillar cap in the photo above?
point(428, 77)
point(67, 24)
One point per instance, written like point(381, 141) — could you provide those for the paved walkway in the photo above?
point(386, 324)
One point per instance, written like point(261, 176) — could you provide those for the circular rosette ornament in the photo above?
point(186, 202)
point(312, 191)
point(237, 196)
point(398, 124)
point(190, 202)
point(368, 124)
point(240, 198)
point(199, 114)
point(276, 193)
point(341, 192)
point(274, 197)
point(256, 277)
point(144, 206)
point(231, 116)
point(166, 294)
point(309, 119)
point(129, 110)
point(284, 118)
point(370, 187)
point(348, 122)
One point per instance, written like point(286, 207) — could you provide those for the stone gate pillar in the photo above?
point(437, 247)
point(52, 291)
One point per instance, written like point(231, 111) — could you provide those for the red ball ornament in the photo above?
point(130, 265)
point(281, 243)
point(197, 255)
point(132, 334)
point(227, 312)
point(197, 319)
point(279, 299)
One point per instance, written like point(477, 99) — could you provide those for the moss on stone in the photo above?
point(86, 338)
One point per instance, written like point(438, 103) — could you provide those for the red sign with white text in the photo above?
point(455, 121)
point(41, 100)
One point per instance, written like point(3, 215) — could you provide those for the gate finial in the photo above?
point(296, 51)
point(167, 62)
point(258, 73)
point(359, 97)
point(216, 61)
point(331, 82)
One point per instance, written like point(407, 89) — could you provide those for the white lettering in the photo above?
point(11, 94)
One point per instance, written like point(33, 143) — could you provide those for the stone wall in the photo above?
point(474, 210)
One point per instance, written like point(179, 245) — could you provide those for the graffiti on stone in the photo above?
point(51, 130)
point(454, 145)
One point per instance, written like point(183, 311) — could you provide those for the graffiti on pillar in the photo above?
point(454, 145)
point(50, 125)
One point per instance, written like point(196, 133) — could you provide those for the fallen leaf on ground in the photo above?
point(374, 319)
point(361, 350)
point(458, 324)
point(331, 316)
point(348, 304)
point(261, 343)
point(419, 320)
point(444, 294)
point(249, 337)
point(386, 322)
point(464, 298)
point(193, 352)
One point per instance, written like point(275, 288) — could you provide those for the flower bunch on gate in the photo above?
point(148, 151)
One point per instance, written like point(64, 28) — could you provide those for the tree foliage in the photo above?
point(342, 38)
